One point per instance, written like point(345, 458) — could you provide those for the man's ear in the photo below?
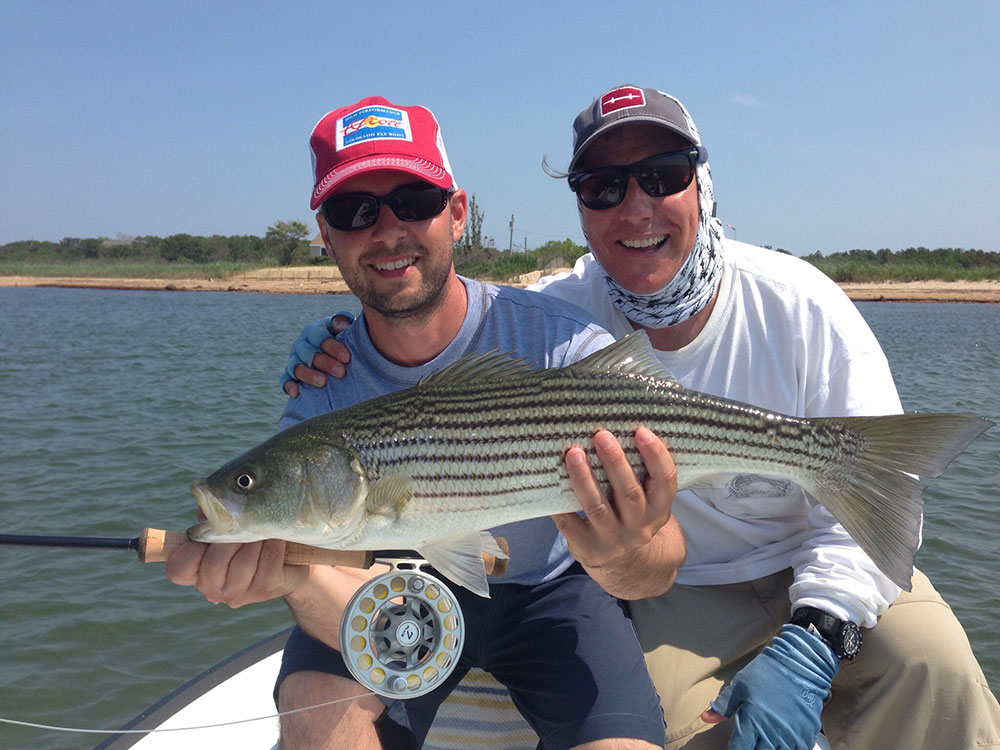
point(459, 206)
point(324, 232)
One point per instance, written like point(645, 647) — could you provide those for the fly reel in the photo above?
point(402, 632)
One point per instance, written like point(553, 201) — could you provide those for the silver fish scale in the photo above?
point(500, 438)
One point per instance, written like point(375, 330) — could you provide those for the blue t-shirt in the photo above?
point(544, 330)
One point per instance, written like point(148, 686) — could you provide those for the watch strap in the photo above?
point(843, 636)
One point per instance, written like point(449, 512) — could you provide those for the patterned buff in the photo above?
point(695, 283)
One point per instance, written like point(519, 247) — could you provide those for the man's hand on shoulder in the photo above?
point(316, 354)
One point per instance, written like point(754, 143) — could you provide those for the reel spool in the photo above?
point(402, 632)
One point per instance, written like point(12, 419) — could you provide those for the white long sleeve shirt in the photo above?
point(784, 337)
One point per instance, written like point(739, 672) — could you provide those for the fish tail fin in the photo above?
point(880, 501)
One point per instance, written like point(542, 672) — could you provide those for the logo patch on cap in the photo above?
point(373, 123)
point(622, 98)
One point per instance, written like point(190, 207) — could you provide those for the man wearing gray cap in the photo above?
point(774, 598)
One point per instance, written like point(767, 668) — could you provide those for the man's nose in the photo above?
point(388, 226)
point(637, 203)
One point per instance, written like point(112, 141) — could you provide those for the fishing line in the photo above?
point(77, 730)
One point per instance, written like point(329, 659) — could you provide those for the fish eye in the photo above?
point(245, 481)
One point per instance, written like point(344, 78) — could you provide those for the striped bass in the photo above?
point(481, 443)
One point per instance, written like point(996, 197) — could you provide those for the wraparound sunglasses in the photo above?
point(350, 212)
point(659, 175)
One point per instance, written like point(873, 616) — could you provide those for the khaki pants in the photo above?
point(915, 684)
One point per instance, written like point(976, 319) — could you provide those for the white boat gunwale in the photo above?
point(190, 691)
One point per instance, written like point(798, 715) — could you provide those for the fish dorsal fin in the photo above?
point(632, 355)
point(474, 367)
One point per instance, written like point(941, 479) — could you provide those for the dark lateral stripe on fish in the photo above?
point(519, 395)
point(465, 470)
point(462, 410)
point(461, 463)
point(445, 472)
point(704, 441)
point(520, 420)
point(490, 493)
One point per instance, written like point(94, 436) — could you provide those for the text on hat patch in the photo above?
point(373, 123)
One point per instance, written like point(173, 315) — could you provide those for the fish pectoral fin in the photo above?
point(488, 544)
point(201, 532)
point(389, 495)
point(460, 559)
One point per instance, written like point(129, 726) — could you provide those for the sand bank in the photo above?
point(327, 280)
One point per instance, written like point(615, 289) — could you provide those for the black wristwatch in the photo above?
point(843, 636)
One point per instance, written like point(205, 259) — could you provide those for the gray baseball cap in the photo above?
point(627, 104)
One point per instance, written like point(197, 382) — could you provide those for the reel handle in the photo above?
point(155, 545)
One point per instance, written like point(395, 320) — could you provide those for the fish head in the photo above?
point(306, 490)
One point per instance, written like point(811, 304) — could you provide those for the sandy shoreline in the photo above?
point(327, 280)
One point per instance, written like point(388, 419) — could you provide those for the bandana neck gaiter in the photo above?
point(694, 285)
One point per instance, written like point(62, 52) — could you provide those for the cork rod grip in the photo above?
point(155, 545)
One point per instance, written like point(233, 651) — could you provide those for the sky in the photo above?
point(829, 126)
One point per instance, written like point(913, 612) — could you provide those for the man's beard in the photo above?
point(420, 303)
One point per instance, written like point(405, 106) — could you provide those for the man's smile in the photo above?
point(645, 243)
point(394, 264)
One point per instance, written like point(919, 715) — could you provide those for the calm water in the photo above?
point(111, 402)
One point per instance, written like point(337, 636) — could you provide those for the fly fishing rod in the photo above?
point(156, 545)
point(402, 632)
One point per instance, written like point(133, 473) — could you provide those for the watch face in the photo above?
point(850, 641)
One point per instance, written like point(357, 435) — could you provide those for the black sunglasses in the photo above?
point(659, 175)
point(350, 212)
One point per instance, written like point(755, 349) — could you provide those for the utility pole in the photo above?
point(510, 247)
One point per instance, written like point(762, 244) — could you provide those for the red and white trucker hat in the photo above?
point(375, 134)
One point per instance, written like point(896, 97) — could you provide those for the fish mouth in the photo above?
point(218, 516)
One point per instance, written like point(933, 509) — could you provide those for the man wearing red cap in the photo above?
point(765, 623)
point(389, 213)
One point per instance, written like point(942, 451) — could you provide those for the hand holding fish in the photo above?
point(236, 574)
point(629, 543)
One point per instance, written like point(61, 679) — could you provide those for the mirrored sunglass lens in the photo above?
point(416, 204)
point(602, 189)
point(666, 176)
point(352, 211)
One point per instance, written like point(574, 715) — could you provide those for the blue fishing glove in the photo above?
point(307, 345)
point(777, 698)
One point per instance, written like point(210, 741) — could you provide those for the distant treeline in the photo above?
point(285, 244)
point(911, 264)
point(490, 263)
point(183, 254)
